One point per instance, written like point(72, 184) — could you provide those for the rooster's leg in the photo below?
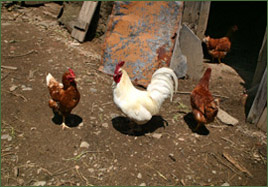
point(219, 59)
point(63, 125)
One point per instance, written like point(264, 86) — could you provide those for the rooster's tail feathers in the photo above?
point(161, 85)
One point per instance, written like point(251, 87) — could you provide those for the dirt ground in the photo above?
point(97, 151)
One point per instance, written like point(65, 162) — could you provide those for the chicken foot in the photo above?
point(63, 125)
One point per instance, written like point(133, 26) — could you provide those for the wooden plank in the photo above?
point(84, 18)
point(203, 19)
point(259, 102)
point(262, 123)
point(195, 16)
point(261, 63)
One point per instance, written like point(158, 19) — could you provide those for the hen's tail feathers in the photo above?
point(204, 81)
point(50, 79)
point(162, 86)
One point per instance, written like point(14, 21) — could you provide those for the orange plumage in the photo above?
point(219, 47)
point(65, 96)
point(204, 107)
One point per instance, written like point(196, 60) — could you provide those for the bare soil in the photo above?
point(97, 150)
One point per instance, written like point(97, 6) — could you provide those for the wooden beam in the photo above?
point(259, 102)
point(261, 63)
point(262, 123)
point(84, 19)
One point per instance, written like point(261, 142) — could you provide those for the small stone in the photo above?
point(91, 170)
point(97, 133)
point(84, 144)
point(93, 90)
point(12, 88)
point(225, 184)
point(214, 172)
point(139, 176)
point(6, 137)
point(39, 183)
point(157, 135)
point(105, 125)
point(142, 184)
point(181, 139)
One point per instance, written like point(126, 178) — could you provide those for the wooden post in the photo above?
point(261, 63)
point(262, 123)
point(259, 102)
point(195, 15)
point(85, 16)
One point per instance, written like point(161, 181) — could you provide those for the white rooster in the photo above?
point(140, 105)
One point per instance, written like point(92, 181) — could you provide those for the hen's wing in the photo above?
point(54, 87)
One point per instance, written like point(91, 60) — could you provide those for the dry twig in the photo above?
point(78, 157)
point(21, 55)
point(238, 166)
point(18, 95)
point(9, 67)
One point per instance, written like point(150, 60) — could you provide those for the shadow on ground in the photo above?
point(123, 125)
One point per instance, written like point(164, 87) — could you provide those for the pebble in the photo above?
point(142, 184)
point(214, 172)
point(139, 176)
point(84, 144)
point(181, 139)
point(6, 137)
point(93, 90)
point(39, 183)
point(225, 184)
point(12, 88)
point(91, 170)
point(157, 135)
point(105, 125)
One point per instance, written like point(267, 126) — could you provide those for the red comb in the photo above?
point(71, 72)
point(119, 65)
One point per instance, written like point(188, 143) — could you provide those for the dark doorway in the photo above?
point(251, 19)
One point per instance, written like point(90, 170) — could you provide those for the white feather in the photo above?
point(140, 105)
point(49, 78)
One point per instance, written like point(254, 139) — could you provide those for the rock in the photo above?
point(142, 184)
point(84, 144)
point(93, 90)
point(24, 88)
point(39, 183)
point(225, 118)
point(91, 170)
point(214, 172)
point(12, 88)
point(225, 184)
point(157, 135)
point(105, 125)
point(139, 176)
point(6, 137)
point(181, 139)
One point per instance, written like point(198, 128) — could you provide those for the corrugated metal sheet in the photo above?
point(143, 35)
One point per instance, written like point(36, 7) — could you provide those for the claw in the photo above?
point(63, 126)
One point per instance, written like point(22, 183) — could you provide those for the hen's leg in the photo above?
point(219, 60)
point(63, 125)
point(197, 126)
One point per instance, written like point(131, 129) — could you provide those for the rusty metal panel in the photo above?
point(143, 35)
